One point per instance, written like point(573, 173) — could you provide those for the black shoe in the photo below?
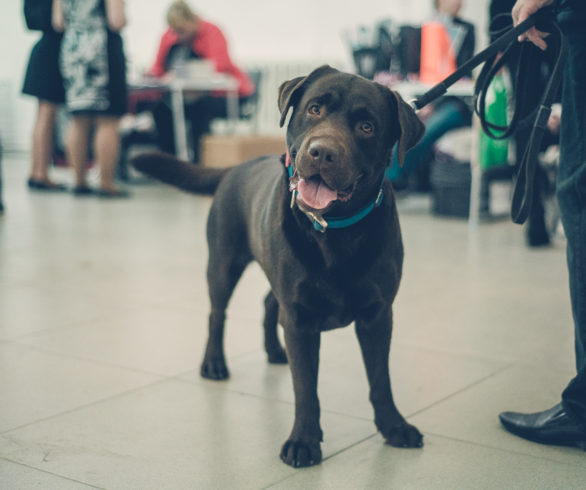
point(45, 186)
point(113, 193)
point(537, 236)
point(83, 191)
point(554, 426)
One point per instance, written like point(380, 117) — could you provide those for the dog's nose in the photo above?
point(321, 152)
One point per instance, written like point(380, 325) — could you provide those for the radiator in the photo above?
point(273, 74)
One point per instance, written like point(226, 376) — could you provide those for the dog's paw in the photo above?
point(277, 356)
point(300, 453)
point(404, 436)
point(215, 369)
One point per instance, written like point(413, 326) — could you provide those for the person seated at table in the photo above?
point(190, 37)
point(444, 114)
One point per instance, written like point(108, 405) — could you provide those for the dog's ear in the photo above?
point(291, 91)
point(411, 127)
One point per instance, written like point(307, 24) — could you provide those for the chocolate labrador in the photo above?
point(322, 224)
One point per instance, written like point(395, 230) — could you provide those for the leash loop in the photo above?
point(523, 191)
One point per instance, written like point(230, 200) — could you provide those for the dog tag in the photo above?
point(319, 223)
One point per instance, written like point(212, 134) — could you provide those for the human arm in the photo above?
point(521, 11)
point(57, 16)
point(116, 14)
point(158, 69)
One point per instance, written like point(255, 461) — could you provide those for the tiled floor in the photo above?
point(103, 312)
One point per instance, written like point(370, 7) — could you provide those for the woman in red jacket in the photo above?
point(190, 37)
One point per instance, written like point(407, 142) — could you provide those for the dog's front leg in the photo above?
point(375, 344)
point(303, 446)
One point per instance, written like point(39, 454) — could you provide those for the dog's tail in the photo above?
point(186, 176)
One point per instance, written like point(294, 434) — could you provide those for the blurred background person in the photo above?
point(446, 113)
point(189, 37)
point(43, 81)
point(93, 68)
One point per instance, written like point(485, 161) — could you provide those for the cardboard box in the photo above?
point(232, 149)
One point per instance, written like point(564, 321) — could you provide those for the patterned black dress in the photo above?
point(92, 61)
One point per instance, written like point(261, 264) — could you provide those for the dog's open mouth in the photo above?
point(316, 194)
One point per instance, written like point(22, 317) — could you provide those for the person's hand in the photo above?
point(168, 77)
point(425, 112)
point(521, 11)
point(555, 119)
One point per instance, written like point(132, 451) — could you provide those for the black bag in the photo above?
point(409, 49)
point(37, 14)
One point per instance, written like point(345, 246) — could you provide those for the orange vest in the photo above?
point(438, 59)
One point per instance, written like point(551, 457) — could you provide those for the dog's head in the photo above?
point(340, 136)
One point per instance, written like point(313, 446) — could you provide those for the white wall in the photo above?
point(257, 31)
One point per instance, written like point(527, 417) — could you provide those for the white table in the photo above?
point(409, 90)
point(179, 86)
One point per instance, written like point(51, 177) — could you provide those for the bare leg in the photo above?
point(77, 147)
point(106, 149)
point(42, 141)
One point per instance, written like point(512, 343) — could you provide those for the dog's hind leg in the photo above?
point(223, 275)
point(375, 343)
point(275, 352)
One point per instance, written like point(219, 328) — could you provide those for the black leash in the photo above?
point(505, 45)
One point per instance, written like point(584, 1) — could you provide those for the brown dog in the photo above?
point(323, 226)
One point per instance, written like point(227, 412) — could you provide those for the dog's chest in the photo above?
point(324, 304)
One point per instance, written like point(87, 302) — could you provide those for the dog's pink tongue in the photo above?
point(315, 193)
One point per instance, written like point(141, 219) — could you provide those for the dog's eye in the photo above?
point(366, 127)
point(314, 110)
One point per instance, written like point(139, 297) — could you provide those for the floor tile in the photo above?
point(37, 385)
point(442, 463)
point(171, 435)
point(15, 476)
point(161, 340)
point(472, 415)
point(27, 309)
